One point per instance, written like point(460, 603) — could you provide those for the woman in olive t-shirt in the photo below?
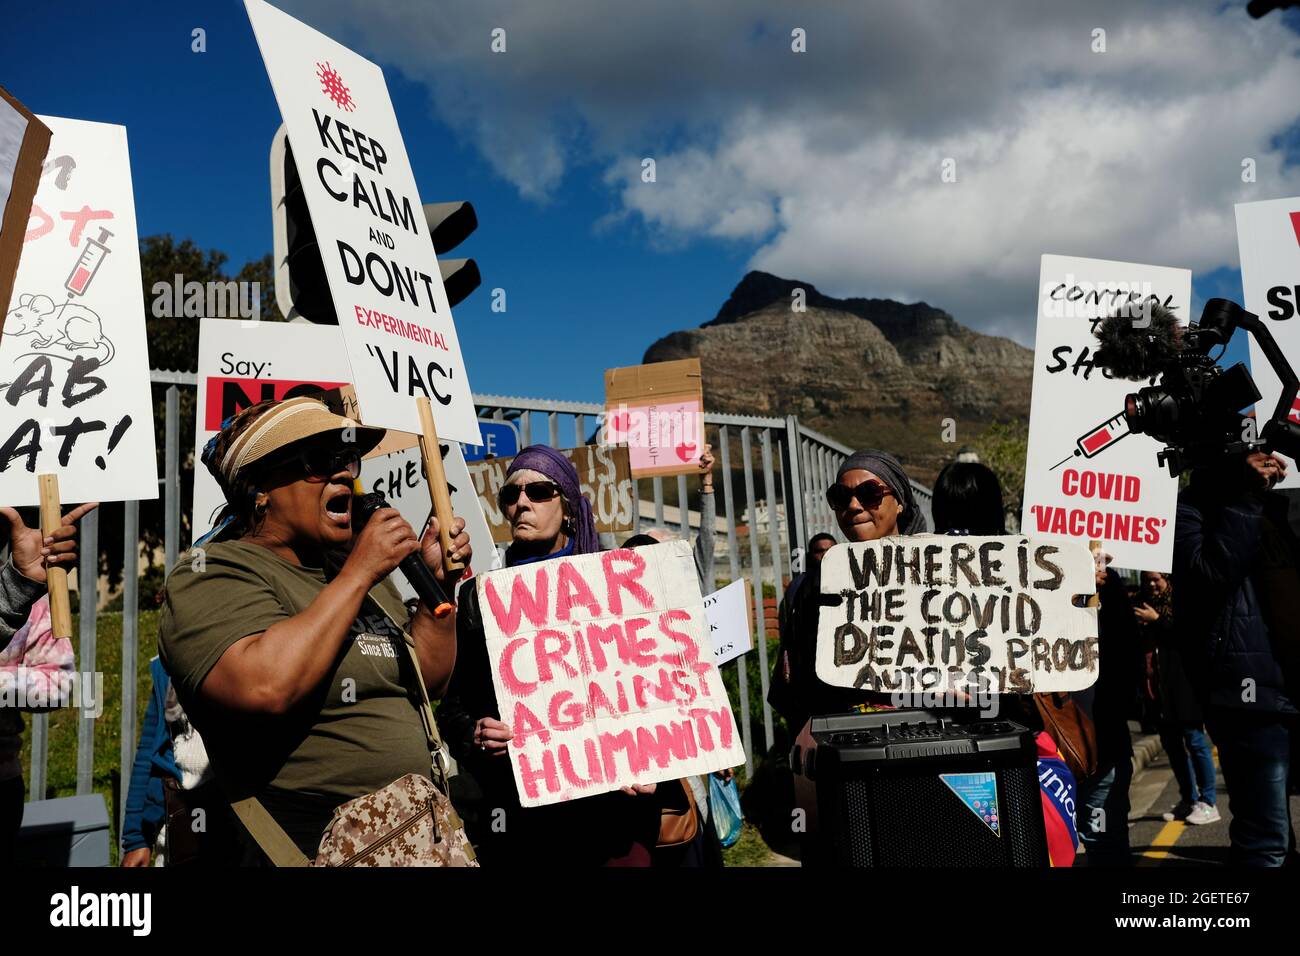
point(282, 633)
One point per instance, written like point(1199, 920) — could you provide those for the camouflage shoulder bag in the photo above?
point(410, 822)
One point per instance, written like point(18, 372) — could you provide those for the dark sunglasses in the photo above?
point(538, 492)
point(869, 494)
point(324, 463)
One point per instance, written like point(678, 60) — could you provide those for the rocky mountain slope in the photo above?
point(869, 372)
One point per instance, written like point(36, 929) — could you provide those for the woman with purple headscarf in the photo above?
point(549, 518)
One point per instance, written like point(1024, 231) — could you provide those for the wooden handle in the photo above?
point(56, 578)
point(437, 478)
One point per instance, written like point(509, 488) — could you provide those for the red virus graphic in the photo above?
point(331, 84)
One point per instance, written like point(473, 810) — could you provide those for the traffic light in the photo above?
point(301, 288)
point(449, 224)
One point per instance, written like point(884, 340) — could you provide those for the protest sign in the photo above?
point(986, 615)
point(74, 363)
point(602, 669)
point(658, 412)
point(24, 140)
point(399, 477)
point(243, 363)
point(1086, 475)
point(603, 476)
point(378, 255)
point(727, 611)
point(1268, 237)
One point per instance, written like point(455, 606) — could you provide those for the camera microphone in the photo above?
point(1138, 342)
point(416, 572)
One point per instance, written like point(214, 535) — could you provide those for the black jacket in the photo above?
point(1223, 572)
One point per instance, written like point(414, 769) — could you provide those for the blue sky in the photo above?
point(545, 144)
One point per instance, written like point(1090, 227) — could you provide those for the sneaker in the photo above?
point(1203, 813)
point(1179, 812)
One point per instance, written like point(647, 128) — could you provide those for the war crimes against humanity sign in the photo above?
point(379, 259)
point(604, 671)
point(986, 615)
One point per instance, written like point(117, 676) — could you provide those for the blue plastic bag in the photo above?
point(724, 805)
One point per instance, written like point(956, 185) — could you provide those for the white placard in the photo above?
point(603, 671)
point(379, 259)
point(399, 477)
point(986, 615)
point(74, 362)
point(243, 363)
point(1086, 476)
point(1268, 236)
point(726, 610)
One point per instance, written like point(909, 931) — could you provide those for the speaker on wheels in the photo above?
point(908, 788)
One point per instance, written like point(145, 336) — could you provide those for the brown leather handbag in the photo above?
point(1072, 731)
point(679, 817)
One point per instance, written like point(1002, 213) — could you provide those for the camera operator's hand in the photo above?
point(386, 539)
point(1263, 470)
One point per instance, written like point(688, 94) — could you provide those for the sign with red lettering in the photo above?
point(243, 363)
point(74, 360)
point(1268, 237)
point(374, 241)
point(604, 672)
point(1086, 475)
point(975, 616)
point(657, 410)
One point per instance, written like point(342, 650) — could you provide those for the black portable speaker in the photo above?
point(908, 788)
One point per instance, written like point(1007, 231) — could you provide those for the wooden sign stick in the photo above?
point(56, 578)
point(437, 478)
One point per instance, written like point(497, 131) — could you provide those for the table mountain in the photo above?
point(869, 372)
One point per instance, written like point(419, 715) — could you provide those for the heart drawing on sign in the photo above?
point(685, 452)
point(619, 422)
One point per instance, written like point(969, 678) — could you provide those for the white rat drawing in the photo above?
point(70, 327)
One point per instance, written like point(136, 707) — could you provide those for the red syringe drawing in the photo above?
point(1096, 440)
point(88, 263)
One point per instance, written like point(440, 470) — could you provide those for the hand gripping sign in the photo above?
point(987, 615)
point(603, 669)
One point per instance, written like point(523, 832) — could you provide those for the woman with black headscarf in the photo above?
point(549, 518)
point(872, 498)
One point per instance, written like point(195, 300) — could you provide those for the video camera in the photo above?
point(1196, 407)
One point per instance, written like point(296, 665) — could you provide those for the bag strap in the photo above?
point(268, 834)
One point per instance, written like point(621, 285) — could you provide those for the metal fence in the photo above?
point(773, 475)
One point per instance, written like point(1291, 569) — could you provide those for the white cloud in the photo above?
point(828, 162)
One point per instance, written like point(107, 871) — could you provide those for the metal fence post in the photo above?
point(130, 643)
point(746, 449)
point(794, 503)
point(40, 754)
point(172, 481)
point(87, 591)
point(746, 731)
point(683, 509)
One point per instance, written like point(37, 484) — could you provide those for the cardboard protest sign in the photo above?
point(1268, 237)
point(243, 363)
point(400, 478)
point(727, 611)
point(74, 363)
point(603, 476)
point(378, 255)
point(24, 140)
point(1086, 475)
point(991, 615)
point(603, 670)
point(658, 412)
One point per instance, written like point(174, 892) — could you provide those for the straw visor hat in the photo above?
point(287, 422)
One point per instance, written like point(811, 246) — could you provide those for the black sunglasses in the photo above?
point(538, 492)
point(869, 494)
point(323, 463)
